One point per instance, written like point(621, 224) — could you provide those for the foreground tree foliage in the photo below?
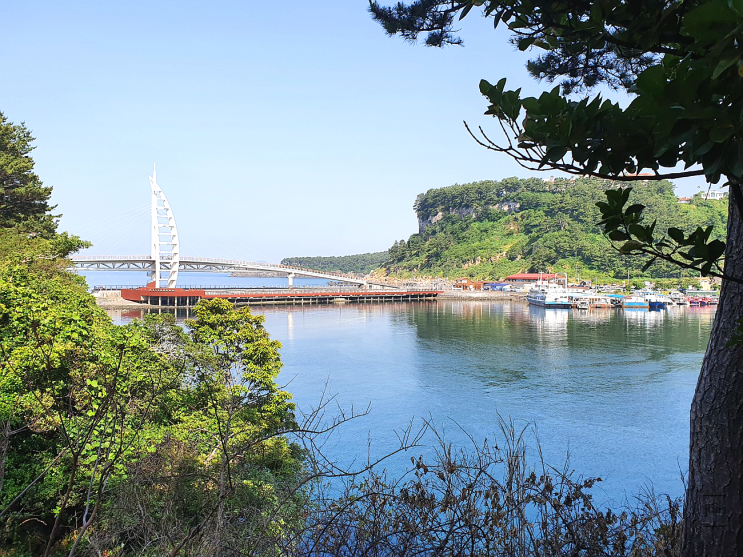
point(144, 437)
point(484, 500)
point(23, 198)
point(682, 63)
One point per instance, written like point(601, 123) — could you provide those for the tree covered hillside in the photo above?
point(361, 263)
point(491, 229)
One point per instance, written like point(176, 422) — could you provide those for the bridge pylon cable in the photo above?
point(107, 222)
point(142, 219)
point(136, 218)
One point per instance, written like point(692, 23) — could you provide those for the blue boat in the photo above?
point(657, 302)
point(635, 302)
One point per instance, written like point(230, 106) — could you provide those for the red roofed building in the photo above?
point(528, 279)
point(468, 284)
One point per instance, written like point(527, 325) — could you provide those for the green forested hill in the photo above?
point(491, 229)
point(361, 263)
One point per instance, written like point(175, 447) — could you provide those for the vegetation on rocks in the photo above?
point(491, 229)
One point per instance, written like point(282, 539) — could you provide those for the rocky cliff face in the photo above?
point(463, 212)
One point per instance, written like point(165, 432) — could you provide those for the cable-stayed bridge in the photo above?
point(165, 260)
point(199, 265)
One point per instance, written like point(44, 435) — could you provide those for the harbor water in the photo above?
point(610, 389)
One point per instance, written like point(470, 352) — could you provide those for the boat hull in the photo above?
point(550, 305)
point(636, 305)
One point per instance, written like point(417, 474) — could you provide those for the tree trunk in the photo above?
point(4, 441)
point(713, 514)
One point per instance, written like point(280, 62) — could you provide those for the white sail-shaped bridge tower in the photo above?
point(165, 260)
point(164, 246)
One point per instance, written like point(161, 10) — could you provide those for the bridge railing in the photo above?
point(99, 287)
point(231, 262)
point(274, 265)
point(111, 257)
point(314, 289)
point(266, 290)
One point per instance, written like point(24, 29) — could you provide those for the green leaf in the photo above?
point(640, 232)
point(706, 22)
point(618, 236)
point(630, 246)
point(736, 6)
point(554, 154)
point(652, 81)
point(721, 132)
point(465, 11)
point(715, 249)
point(525, 42)
point(724, 65)
point(676, 235)
point(648, 264)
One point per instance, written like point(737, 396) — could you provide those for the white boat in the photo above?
point(593, 299)
point(679, 299)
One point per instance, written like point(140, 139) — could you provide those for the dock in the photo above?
point(190, 296)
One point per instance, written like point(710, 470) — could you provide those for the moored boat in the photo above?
point(635, 302)
point(549, 295)
point(657, 301)
point(679, 299)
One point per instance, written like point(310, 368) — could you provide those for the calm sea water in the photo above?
point(610, 387)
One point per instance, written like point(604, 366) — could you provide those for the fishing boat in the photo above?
point(658, 301)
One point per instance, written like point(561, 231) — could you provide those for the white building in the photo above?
point(714, 194)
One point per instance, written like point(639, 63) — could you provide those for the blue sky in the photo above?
point(278, 129)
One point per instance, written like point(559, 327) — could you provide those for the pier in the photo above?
point(189, 297)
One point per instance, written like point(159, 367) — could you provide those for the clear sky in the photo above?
point(278, 128)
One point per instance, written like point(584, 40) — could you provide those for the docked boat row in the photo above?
point(552, 295)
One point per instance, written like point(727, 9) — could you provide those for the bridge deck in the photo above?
point(201, 265)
